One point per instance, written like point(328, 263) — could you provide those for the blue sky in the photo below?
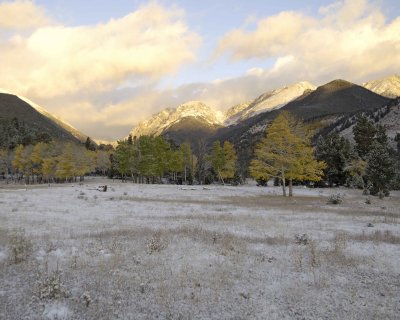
point(106, 65)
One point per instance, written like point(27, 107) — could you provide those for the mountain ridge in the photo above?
point(34, 116)
point(388, 86)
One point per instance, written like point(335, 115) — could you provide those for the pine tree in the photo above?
point(3, 162)
point(286, 153)
point(335, 151)
point(364, 134)
point(89, 144)
point(380, 169)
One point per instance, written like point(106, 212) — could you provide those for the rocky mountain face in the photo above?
point(167, 119)
point(387, 87)
point(35, 117)
point(335, 97)
point(387, 116)
point(205, 119)
point(271, 100)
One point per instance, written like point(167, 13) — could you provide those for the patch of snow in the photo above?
point(270, 100)
point(57, 311)
point(168, 117)
point(388, 87)
point(3, 255)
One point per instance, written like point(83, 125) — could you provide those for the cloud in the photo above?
point(58, 60)
point(105, 78)
point(350, 39)
point(22, 15)
point(270, 37)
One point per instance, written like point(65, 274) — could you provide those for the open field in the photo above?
point(188, 252)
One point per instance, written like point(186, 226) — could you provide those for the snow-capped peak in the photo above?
point(168, 117)
point(270, 100)
point(388, 87)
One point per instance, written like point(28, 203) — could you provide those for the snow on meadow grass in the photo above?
point(194, 252)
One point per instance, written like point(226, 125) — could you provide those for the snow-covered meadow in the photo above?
point(188, 252)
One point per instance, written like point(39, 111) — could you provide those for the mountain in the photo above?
point(270, 100)
point(336, 97)
point(323, 106)
point(388, 87)
point(387, 116)
point(35, 118)
point(232, 115)
point(244, 124)
point(190, 115)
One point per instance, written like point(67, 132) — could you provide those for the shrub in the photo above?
point(20, 247)
point(155, 244)
point(51, 287)
point(336, 198)
point(303, 239)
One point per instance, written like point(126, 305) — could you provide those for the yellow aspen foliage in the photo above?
point(286, 153)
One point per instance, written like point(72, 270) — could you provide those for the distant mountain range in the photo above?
point(242, 124)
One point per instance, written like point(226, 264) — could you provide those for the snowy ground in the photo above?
point(183, 252)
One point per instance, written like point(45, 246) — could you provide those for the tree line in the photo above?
point(286, 154)
point(370, 163)
point(149, 159)
point(48, 162)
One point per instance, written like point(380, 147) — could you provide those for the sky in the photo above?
point(103, 66)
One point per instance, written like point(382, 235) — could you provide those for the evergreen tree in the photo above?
point(335, 151)
point(89, 144)
point(380, 169)
point(364, 134)
point(3, 162)
point(397, 139)
point(286, 153)
point(381, 136)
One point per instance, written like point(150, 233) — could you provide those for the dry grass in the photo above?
point(378, 237)
point(229, 258)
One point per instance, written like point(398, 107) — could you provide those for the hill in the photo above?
point(19, 116)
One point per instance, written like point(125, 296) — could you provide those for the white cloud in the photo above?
point(351, 39)
point(22, 15)
point(58, 60)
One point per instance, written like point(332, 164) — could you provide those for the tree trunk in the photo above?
point(290, 187)
point(283, 183)
point(222, 179)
